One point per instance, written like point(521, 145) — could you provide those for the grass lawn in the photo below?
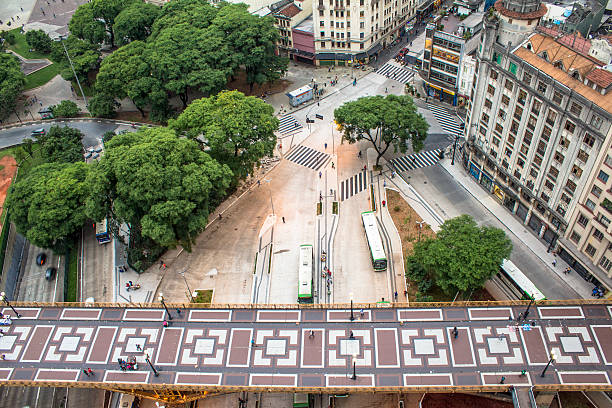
point(87, 90)
point(41, 76)
point(22, 48)
point(71, 279)
point(27, 164)
point(204, 296)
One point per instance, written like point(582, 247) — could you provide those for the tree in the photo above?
point(12, 81)
point(103, 105)
point(135, 22)
point(8, 36)
point(62, 144)
point(384, 122)
point(238, 129)
point(65, 109)
point(163, 186)
point(463, 256)
point(39, 41)
point(48, 205)
point(86, 26)
point(127, 73)
point(85, 57)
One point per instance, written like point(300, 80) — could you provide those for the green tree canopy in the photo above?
point(463, 256)
point(85, 57)
point(384, 122)
point(238, 129)
point(135, 22)
point(12, 81)
point(39, 40)
point(161, 185)
point(48, 206)
point(103, 105)
point(86, 26)
point(65, 109)
point(62, 144)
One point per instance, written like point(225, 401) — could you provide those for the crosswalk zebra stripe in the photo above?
point(416, 161)
point(307, 157)
point(288, 124)
point(395, 72)
point(446, 120)
point(353, 185)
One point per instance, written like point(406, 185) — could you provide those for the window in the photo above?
point(576, 109)
point(553, 172)
point(493, 75)
point(522, 96)
point(546, 131)
point(570, 186)
point(527, 138)
point(603, 176)
point(590, 204)
point(583, 156)
point(551, 117)
point(322, 34)
point(321, 13)
point(605, 221)
point(544, 198)
point(361, 2)
point(541, 148)
point(496, 141)
point(608, 160)
point(491, 89)
point(557, 98)
point(520, 162)
point(322, 23)
point(535, 107)
point(569, 126)
point(501, 114)
point(361, 35)
point(499, 128)
point(588, 140)
point(514, 127)
point(559, 157)
point(505, 100)
point(322, 44)
point(509, 85)
point(531, 123)
point(488, 103)
point(361, 46)
point(497, 58)
point(542, 87)
point(596, 191)
point(576, 171)
point(518, 113)
point(508, 153)
point(605, 263)
point(582, 220)
point(598, 234)
point(485, 118)
point(596, 122)
point(590, 250)
point(564, 142)
point(512, 68)
point(527, 78)
point(575, 237)
point(533, 173)
point(549, 185)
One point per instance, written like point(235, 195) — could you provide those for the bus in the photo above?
point(102, 233)
point(377, 252)
point(305, 272)
point(515, 282)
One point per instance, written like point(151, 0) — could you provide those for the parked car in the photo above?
point(41, 259)
point(50, 273)
point(38, 132)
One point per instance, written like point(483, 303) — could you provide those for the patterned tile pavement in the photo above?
point(293, 348)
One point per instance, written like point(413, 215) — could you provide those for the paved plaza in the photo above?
point(305, 348)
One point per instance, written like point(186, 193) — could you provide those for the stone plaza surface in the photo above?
point(311, 348)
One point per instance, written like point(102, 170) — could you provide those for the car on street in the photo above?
point(41, 259)
point(39, 132)
point(50, 273)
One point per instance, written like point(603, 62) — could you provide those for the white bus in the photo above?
point(517, 283)
point(305, 274)
point(102, 233)
point(377, 252)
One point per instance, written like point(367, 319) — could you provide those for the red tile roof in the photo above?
point(600, 77)
point(290, 10)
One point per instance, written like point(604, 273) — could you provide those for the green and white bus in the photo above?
point(514, 281)
point(305, 272)
point(377, 252)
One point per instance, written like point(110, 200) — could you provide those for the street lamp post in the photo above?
point(420, 223)
point(552, 358)
point(354, 377)
point(73, 71)
point(527, 310)
point(352, 314)
point(151, 365)
point(3, 296)
point(161, 299)
point(454, 148)
point(182, 273)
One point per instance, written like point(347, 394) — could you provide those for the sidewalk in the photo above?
point(538, 247)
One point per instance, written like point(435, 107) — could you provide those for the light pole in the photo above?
point(352, 314)
point(74, 73)
point(420, 223)
point(3, 296)
point(354, 377)
point(161, 299)
point(151, 365)
point(552, 358)
point(182, 273)
point(454, 148)
point(527, 310)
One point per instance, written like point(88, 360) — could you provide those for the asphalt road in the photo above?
point(93, 131)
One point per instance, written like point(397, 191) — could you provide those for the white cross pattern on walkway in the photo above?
point(305, 156)
point(288, 124)
point(446, 119)
point(396, 72)
point(416, 161)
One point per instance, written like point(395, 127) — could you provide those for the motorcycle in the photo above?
point(129, 287)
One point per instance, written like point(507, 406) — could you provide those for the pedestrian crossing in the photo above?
point(353, 185)
point(307, 157)
point(416, 161)
point(288, 124)
point(446, 119)
point(396, 72)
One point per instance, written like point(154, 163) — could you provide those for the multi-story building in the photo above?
point(537, 127)
point(303, 41)
point(356, 30)
point(446, 60)
point(288, 14)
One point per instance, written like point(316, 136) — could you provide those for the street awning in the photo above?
point(326, 56)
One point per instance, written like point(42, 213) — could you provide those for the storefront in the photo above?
point(498, 193)
point(441, 94)
point(475, 171)
point(522, 211)
point(486, 181)
point(535, 224)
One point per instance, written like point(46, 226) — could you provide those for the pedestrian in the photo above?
point(383, 203)
point(283, 219)
point(395, 294)
point(178, 311)
point(554, 262)
point(253, 343)
point(85, 372)
point(386, 91)
point(161, 263)
point(320, 174)
point(333, 166)
point(258, 183)
point(384, 183)
point(406, 294)
point(567, 270)
point(4, 356)
point(89, 372)
point(164, 266)
point(325, 146)
point(138, 347)
point(165, 323)
point(361, 313)
point(455, 332)
point(352, 336)
point(53, 15)
point(21, 8)
point(359, 155)
point(311, 334)
point(365, 167)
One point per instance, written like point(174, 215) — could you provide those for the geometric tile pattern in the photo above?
point(293, 348)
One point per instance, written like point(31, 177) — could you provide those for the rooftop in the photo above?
point(306, 25)
point(290, 10)
point(472, 20)
point(600, 77)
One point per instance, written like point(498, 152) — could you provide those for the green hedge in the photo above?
point(71, 279)
point(4, 238)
